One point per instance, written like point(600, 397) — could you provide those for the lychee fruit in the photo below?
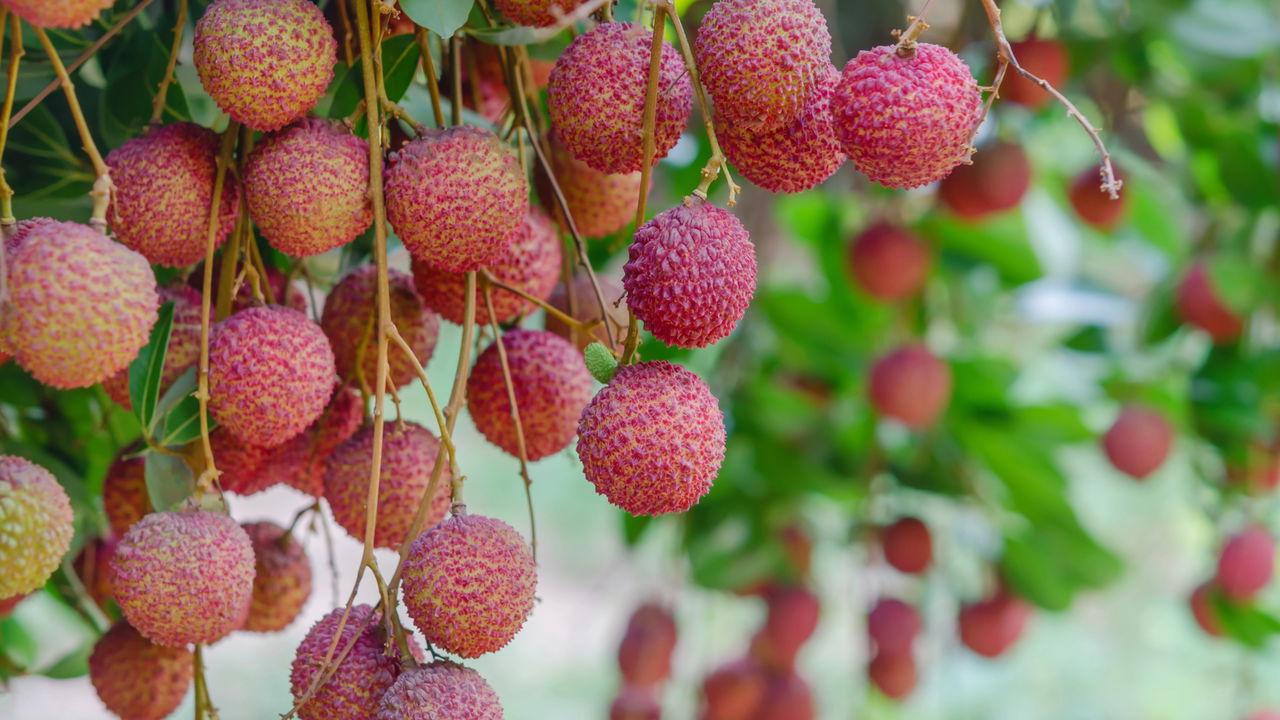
point(910, 385)
point(531, 264)
point(271, 373)
point(585, 308)
point(888, 262)
point(786, 697)
point(906, 121)
point(653, 439)
point(58, 13)
point(369, 666)
point(164, 184)
point(440, 691)
point(892, 626)
point(1202, 610)
point(644, 655)
point(239, 463)
point(183, 350)
point(265, 62)
point(791, 621)
point(1200, 304)
point(601, 203)
point(894, 675)
point(907, 545)
point(733, 691)
point(1247, 562)
point(93, 566)
point(456, 197)
point(307, 185)
point(80, 306)
point(537, 13)
point(760, 59)
point(990, 627)
point(137, 679)
point(469, 584)
point(1094, 206)
point(350, 322)
point(302, 461)
point(184, 577)
point(995, 182)
point(1047, 60)
point(124, 493)
point(551, 385)
point(635, 703)
point(282, 579)
point(1138, 442)
point(691, 273)
point(35, 525)
point(408, 456)
point(596, 97)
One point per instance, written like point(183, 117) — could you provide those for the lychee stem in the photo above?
point(162, 95)
point(487, 278)
point(906, 47)
point(455, 69)
point(16, 52)
point(446, 438)
point(429, 70)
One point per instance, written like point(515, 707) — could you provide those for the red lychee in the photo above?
point(1202, 610)
point(93, 566)
point(368, 668)
point(282, 579)
point(136, 679)
point(1247, 562)
point(601, 203)
point(734, 690)
point(58, 13)
point(1265, 715)
point(910, 385)
point(1200, 304)
point(124, 493)
point(787, 697)
point(585, 308)
point(440, 691)
point(990, 627)
point(995, 182)
point(635, 703)
point(349, 321)
point(791, 621)
point(184, 345)
point(1047, 60)
point(644, 655)
point(1094, 206)
point(907, 545)
point(35, 525)
point(892, 626)
point(240, 463)
point(538, 13)
point(1138, 443)
point(888, 262)
point(302, 461)
point(894, 675)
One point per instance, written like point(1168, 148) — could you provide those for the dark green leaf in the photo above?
point(147, 369)
point(170, 481)
point(442, 17)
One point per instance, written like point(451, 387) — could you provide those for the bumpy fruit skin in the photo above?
point(265, 62)
point(239, 462)
point(892, 626)
point(990, 627)
point(551, 385)
point(907, 545)
point(1092, 205)
point(760, 59)
point(184, 577)
point(532, 264)
point(282, 578)
point(163, 188)
point(58, 13)
point(80, 306)
point(894, 675)
point(792, 619)
point(184, 345)
point(301, 462)
point(35, 525)
point(994, 183)
point(1138, 443)
point(469, 584)
point(538, 13)
point(440, 691)
point(1247, 563)
point(888, 263)
point(137, 679)
point(906, 122)
point(1203, 612)
point(601, 203)
point(456, 197)
point(910, 385)
point(1047, 60)
point(1200, 305)
point(734, 690)
point(93, 566)
point(596, 97)
point(349, 321)
point(653, 439)
point(307, 187)
point(355, 689)
point(408, 456)
point(271, 373)
point(691, 274)
point(124, 493)
point(644, 655)
point(586, 309)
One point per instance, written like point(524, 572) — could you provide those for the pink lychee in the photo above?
point(282, 579)
point(994, 183)
point(644, 655)
point(990, 627)
point(58, 13)
point(124, 493)
point(636, 703)
point(734, 690)
point(35, 525)
point(137, 679)
point(888, 262)
point(601, 203)
point(1095, 207)
point(1246, 564)
point(1047, 60)
point(239, 463)
point(538, 13)
point(356, 686)
point(892, 626)
point(1203, 611)
point(790, 622)
point(907, 545)
point(440, 691)
point(1200, 304)
point(893, 675)
point(302, 461)
point(1138, 442)
point(910, 385)
point(349, 321)
point(184, 344)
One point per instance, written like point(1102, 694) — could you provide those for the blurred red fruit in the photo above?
point(1258, 469)
point(1265, 715)
point(995, 182)
point(93, 567)
point(910, 385)
point(1138, 443)
point(888, 262)
point(1047, 60)
point(1246, 564)
point(990, 627)
point(787, 697)
point(8, 604)
point(895, 675)
point(792, 618)
point(1095, 207)
point(1203, 611)
point(635, 703)
point(645, 653)
point(892, 626)
point(1200, 305)
point(907, 545)
point(733, 691)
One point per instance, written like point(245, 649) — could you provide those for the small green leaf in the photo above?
point(72, 665)
point(170, 481)
point(400, 56)
point(442, 17)
point(1245, 623)
point(600, 362)
point(146, 369)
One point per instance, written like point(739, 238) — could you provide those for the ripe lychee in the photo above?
point(184, 344)
point(307, 187)
point(1247, 563)
point(1138, 443)
point(760, 59)
point(440, 691)
point(635, 703)
point(601, 203)
point(282, 579)
point(894, 675)
point(271, 373)
point(349, 321)
point(58, 13)
point(408, 455)
point(791, 621)
point(531, 264)
point(892, 626)
point(163, 189)
point(907, 545)
point(124, 493)
point(1202, 610)
point(538, 13)
point(239, 463)
point(302, 461)
point(691, 273)
point(35, 525)
point(184, 577)
point(456, 197)
point(1200, 304)
point(469, 584)
point(93, 566)
point(551, 385)
point(596, 97)
point(585, 308)
point(995, 182)
point(906, 121)
point(1095, 207)
point(644, 655)
point(910, 385)
point(80, 306)
point(265, 62)
point(990, 627)
point(786, 697)
point(137, 679)
point(734, 690)
point(653, 439)
point(1047, 60)
point(368, 668)
point(888, 262)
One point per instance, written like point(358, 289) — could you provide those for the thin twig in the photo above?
point(16, 51)
point(429, 70)
point(162, 95)
point(907, 39)
point(555, 312)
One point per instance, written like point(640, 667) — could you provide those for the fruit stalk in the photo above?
point(16, 51)
point(429, 70)
point(162, 95)
point(907, 39)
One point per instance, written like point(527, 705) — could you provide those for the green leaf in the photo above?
point(1002, 243)
point(1245, 623)
point(72, 665)
point(442, 17)
point(399, 63)
point(146, 370)
point(1236, 280)
point(170, 482)
point(16, 644)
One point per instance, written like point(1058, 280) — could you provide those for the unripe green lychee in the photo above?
point(302, 460)
point(124, 493)
point(35, 525)
point(531, 264)
point(440, 691)
point(585, 308)
point(307, 187)
point(990, 627)
point(1138, 442)
point(1246, 564)
point(893, 675)
point(163, 188)
point(469, 584)
point(183, 350)
point(1047, 60)
point(369, 667)
point(184, 577)
point(551, 385)
point(653, 439)
point(282, 577)
point(907, 545)
point(596, 97)
point(271, 373)
point(456, 197)
point(265, 62)
point(888, 262)
point(644, 655)
point(995, 182)
point(910, 385)
point(538, 13)
point(349, 323)
point(906, 122)
point(760, 59)
point(601, 203)
point(408, 455)
point(137, 679)
point(1200, 304)
point(892, 626)
point(74, 334)
point(57, 13)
